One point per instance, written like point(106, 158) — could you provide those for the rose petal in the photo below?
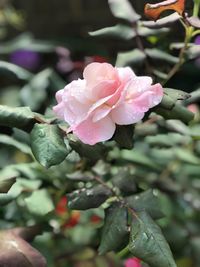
point(59, 95)
point(97, 72)
point(59, 110)
point(101, 113)
point(126, 113)
point(90, 132)
point(125, 74)
point(149, 98)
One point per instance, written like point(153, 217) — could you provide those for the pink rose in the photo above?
point(133, 262)
point(105, 97)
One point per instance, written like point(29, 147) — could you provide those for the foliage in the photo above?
point(135, 195)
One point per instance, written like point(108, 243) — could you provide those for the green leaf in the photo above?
point(92, 153)
point(193, 51)
point(194, 97)
point(34, 93)
point(80, 176)
point(20, 117)
point(170, 109)
point(39, 202)
point(146, 201)
point(14, 70)
point(26, 41)
point(177, 126)
point(148, 243)
point(48, 145)
point(145, 32)
point(195, 245)
point(178, 112)
point(125, 181)
point(139, 158)
point(155, 53)
point(132, 57)
point(163, 22)
point(119, 31)
point(29, 185)
point(167, 140)
point(7, 140)
point(84, 199)
point(176, 94)
point(115, 229)
point(12, 194)
point(123, 10)
point(124, 136)
point(186, 156)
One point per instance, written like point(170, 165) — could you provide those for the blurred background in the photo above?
point(43, 46)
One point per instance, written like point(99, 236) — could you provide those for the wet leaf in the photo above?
point(146, 201)
point(20, 117)
point(115, 228)
point(148, 243)
point(88, 198)
point(48, 145)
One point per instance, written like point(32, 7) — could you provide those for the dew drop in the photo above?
point(42, 133)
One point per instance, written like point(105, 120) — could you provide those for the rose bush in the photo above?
point(105, 97)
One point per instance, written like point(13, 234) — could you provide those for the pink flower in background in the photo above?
point(193, 108)
point(133, 262)
point(105, 97)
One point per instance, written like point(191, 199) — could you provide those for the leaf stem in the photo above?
point(196, 8)
point(181, 61)
point(120, 199)
point(123, 252)
point(100, 181)
point(195, 33)
point(141, 47)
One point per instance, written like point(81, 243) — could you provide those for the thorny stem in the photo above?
point(124, 204)
point(111, 189)
point(140, 46)
point(175, 69)
point(180, 62)
point(121, 200)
